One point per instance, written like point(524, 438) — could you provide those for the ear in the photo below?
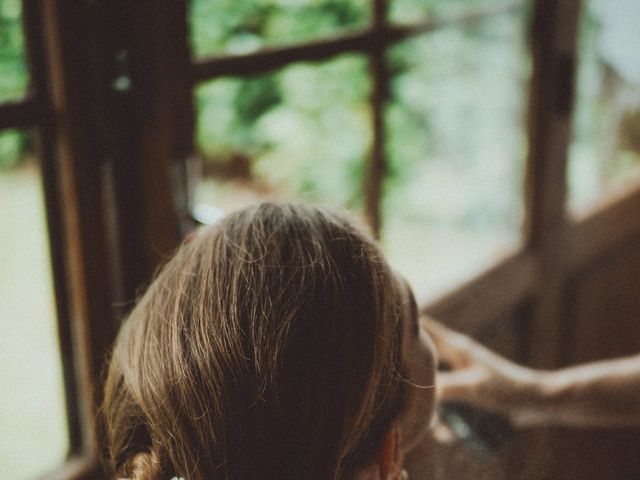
point(387, 454)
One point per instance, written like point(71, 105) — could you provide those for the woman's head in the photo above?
point(270, 346)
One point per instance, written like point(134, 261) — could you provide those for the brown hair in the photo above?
point(268, 347)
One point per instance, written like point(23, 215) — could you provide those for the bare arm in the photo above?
point(604, 394)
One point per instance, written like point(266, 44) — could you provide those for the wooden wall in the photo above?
point(602, 301)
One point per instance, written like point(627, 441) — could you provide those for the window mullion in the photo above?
point(554, 31)
point(273, 58)
point(38, 95)
point(376, 166)
point(20, 114)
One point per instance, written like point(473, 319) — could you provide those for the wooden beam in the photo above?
point(25, 113)
point(553, 32)
point(148, 109)
point(272, 58)
point(490, 296)
point(36, 48)
point(78, 165)
point(553, 41)
point(112, 103)
point(614, 223)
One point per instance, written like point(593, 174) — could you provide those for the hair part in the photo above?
point(267, 347)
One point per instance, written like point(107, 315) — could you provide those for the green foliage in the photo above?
point(305, 129)
point(256, 97)
point(455, 125)
point(13, 77)
point(13, 71)
point(234, 26)
point(605, 149)
point(402, 11)
point(12, 148)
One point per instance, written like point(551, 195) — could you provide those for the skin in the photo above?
point(419, 373)
point(419, 362)
point(597, 394)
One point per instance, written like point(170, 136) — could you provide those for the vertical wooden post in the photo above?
point(553, 31)
point(80, 201)
point(553, 43)
point(118, 122)
point(39, 94)
point(376, 165)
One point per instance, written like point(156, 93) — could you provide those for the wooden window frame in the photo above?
point(34, 112)
point(108, 159)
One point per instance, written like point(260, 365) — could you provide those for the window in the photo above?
point(605, 149)
point(414, 120)
point(32, 408)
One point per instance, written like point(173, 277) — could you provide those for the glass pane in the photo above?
point(453, 202)
point(408, 11)
point(303, 132)
point(605, 151)
point(13, 70)
point(240, 26)
point(32, 411)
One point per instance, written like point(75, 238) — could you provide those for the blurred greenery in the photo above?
point(455, 139)
point(304, 131)
point(12, 148)
point(262, 120)
point(456, 124)
point(402, 11)
point(13, 70)
point(456, 144)
point(13, 77)
point(605, 149)
point(238, 26)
